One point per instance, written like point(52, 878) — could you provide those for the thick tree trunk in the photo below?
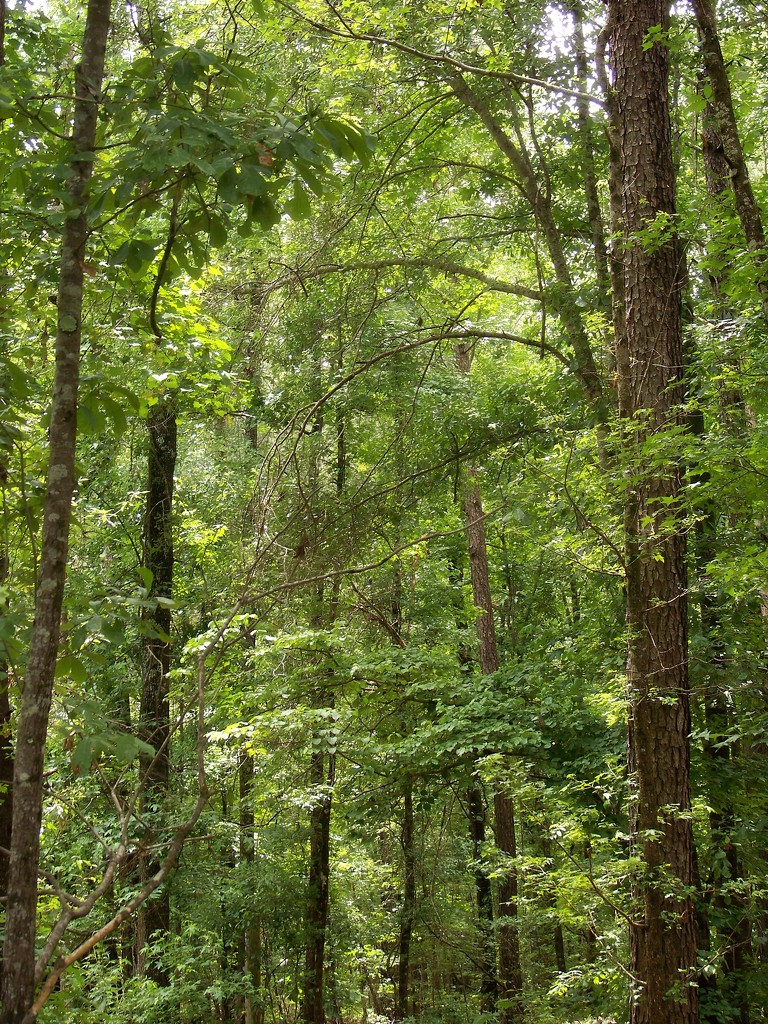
point(32, 731)
point(662, 935)
point(154, 715)
point(510, 975)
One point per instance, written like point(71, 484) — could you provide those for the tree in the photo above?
point(19, 948)
point(650, 363)
point(510, 974)
point(341, 518)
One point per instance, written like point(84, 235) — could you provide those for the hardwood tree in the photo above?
point(32, 729)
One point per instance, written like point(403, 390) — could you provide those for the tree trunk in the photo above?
point(662, 934)
point(154, 715)
point(484, 897)
point(313, 999)
point(718, 754)
point(32, 731)
point(510, 976)
point(313, 1009)
point(585, 367)
point(510, 969)
point(729, 142)
point(253, 1010)
point(594, 213)
point(409, 903)
point(476, 814)
point(6, 742)
point(616, 207)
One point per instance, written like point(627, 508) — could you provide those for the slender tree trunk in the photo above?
point(253, 1010)
point(539, 200)
point(594, 213)
point(662, 935)
point(510, 976)
point(32, 730)
point(6, 742)
point(313, 1009)
point(409, 903)
point(719, 754)
point(510, 969)
point(6, 775)
point(730, 142)
point(154, 715)
point(322, 773)
point(616, 207)
point(476, 814)
point(484, 897)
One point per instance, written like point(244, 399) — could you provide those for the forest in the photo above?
point(384, 548)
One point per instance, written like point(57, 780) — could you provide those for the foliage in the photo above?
point(300, 292)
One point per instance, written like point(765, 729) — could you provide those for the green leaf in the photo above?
point(251, 180)
point(90, 418)
point(184, 73)
point(299, 205)
point(139, 256)
point(264, 212)
point(115, 413)
point(146, 576)
point(70, 667)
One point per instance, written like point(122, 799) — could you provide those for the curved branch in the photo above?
point(493, 284)
point(437, 58)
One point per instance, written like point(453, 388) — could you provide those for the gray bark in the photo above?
point(19, 949)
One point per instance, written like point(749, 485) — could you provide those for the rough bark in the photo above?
point(154, 713)
point(662, 935)
point(6, 745)
point(19, 949)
